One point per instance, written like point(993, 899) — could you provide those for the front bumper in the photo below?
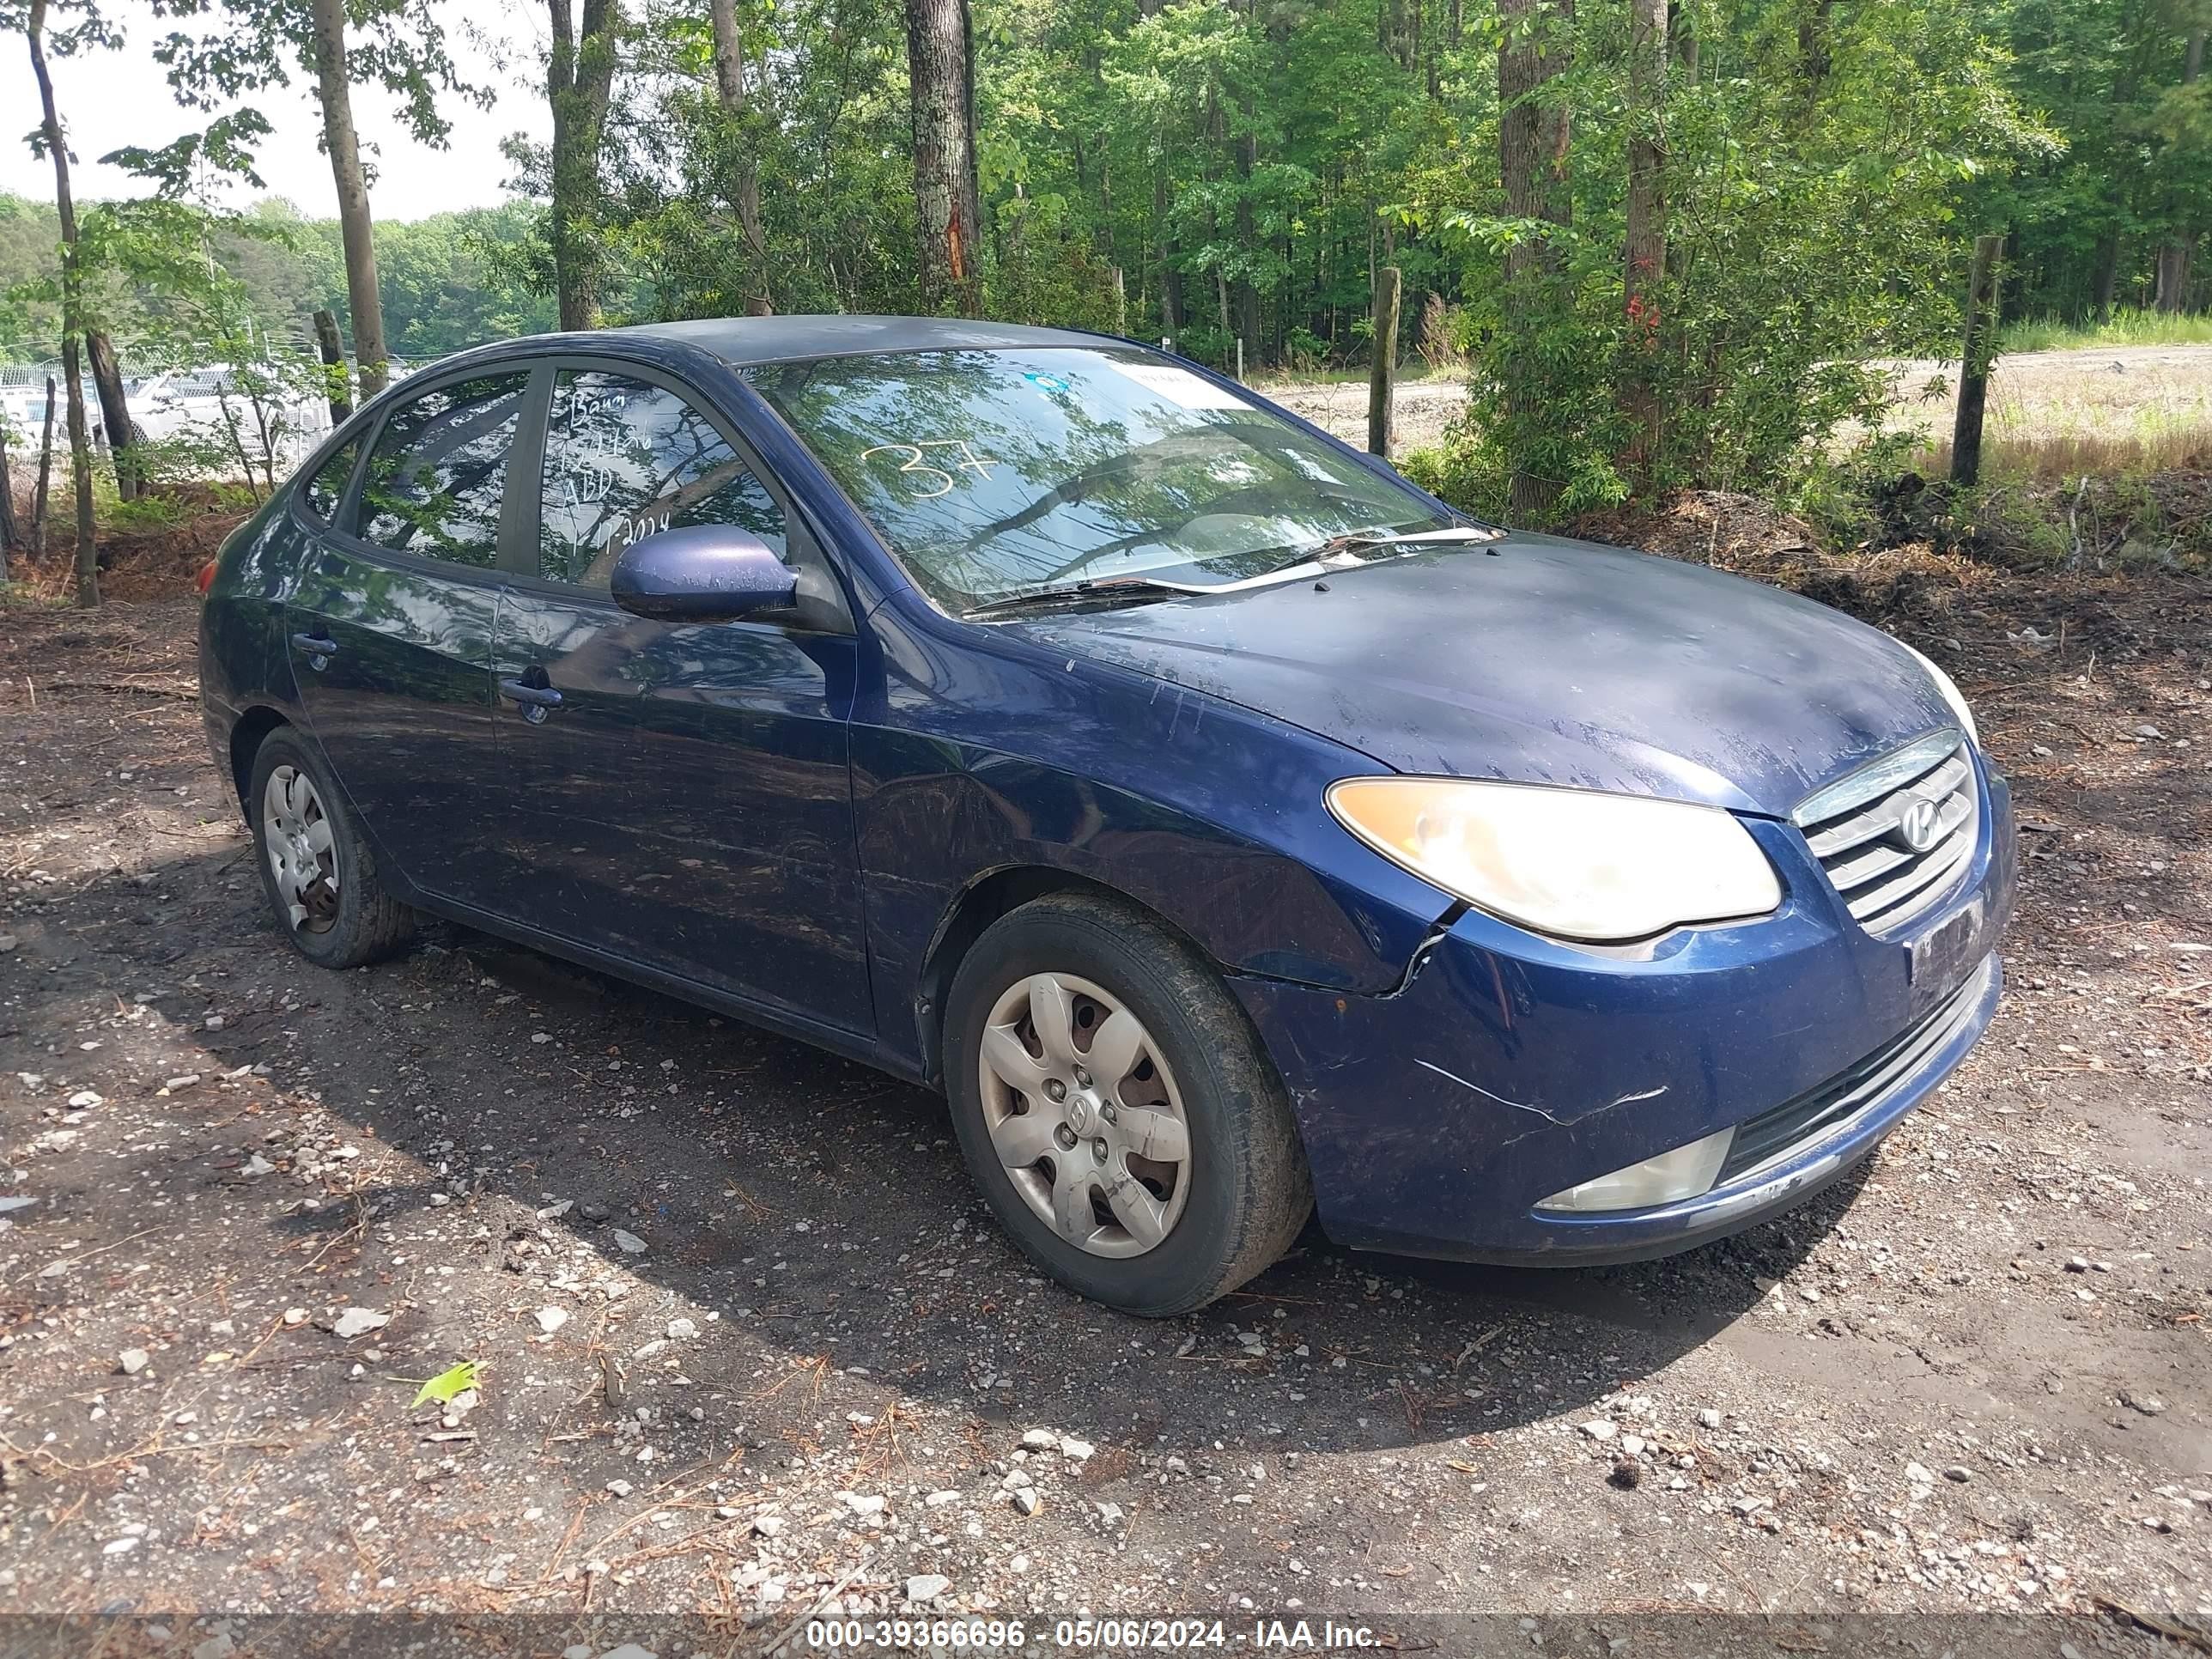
point(1509, 1067)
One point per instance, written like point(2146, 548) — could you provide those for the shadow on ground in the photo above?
point(822, 1209)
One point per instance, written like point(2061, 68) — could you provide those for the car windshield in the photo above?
point(996, 473)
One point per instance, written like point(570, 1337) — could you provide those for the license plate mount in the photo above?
point(1939, 955)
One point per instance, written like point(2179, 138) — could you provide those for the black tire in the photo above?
point(359, 922)
point(1250, 1190)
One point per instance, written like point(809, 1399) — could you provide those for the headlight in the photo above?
point(1568, 862)
point(1952, 694)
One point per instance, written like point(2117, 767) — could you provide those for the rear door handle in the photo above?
point(320, 651)
point(535, 699)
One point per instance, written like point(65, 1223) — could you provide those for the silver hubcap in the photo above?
point(1084, 1115)
point(295, 836)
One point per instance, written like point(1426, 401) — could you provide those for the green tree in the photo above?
point(86, 28)
point(579, 80)
point(941, 76)
point(234, 47)
point(2096, 219)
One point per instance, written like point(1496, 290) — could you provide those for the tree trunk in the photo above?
point(1536, 47)
point(1248, 295)
point(334, 90)
point(50, 126)
point(1814, 57)
point(1108, 247)
point(114, 413)
point(80, 437)
point(744, 189)
point(11, 536)
point(1644, 264)
point(1170, 274)
point(2108, 273)
point(941, 61)
point(39, 492)
point(2173, 262)
point(1683, 39)
point(579, 80)
point(331, 350)
point(2175, 257)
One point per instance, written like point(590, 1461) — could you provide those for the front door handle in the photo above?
point(536, 700)
point(319, 650)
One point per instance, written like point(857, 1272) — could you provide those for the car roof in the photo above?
point(742, 340)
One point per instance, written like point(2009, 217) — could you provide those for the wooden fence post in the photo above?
point(332, 351)
point(1974, 364)
point(1382, 376)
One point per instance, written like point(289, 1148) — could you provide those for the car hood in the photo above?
point(1542, 660)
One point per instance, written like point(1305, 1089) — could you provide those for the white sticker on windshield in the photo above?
point(1179, 385)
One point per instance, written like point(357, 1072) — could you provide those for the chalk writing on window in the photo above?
point(931, 480)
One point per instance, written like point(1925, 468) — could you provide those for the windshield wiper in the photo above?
point(1353, 540)
point(1117, 590)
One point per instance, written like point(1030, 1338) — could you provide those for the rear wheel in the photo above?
point(315, 865)
point(1116, 1110)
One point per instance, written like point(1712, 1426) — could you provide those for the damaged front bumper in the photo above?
point(1510, 1069)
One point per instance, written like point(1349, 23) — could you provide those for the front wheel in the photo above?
point(1116, 1107)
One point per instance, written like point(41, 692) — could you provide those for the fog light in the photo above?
point(1683, 1173)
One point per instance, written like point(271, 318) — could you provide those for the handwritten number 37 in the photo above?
point(930, 481)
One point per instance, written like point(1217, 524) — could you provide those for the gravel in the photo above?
point(831, 1377)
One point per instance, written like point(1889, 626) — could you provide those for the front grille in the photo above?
point(1863, 830)
point(1833, 1105)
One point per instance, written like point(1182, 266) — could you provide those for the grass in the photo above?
point(2062, 414)
point(2105, 426)
point(2121, 328)
point(2071, 454)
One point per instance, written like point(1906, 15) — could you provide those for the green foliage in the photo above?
point(218, 50)
point(1815, 229)
point(1469, 471)
point(1243, 168)
point(2135, 170)
point(150, 511)
point(449, 281)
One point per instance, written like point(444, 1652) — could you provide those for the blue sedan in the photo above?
point(1229, 830)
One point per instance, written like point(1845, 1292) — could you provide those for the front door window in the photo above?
point(625, 459)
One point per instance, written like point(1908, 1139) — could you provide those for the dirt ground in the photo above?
point(751, 1348)
point(1424, 408)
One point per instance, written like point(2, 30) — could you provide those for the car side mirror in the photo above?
point(704, 573)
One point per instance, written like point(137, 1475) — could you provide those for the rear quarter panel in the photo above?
point(244, 661)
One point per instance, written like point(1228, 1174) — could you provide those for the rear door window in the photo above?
point(436, 477)
point(624, 459)
point(324, 493)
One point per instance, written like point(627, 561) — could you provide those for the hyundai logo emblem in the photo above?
point(1919, 823)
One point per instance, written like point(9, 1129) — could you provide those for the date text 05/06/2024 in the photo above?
point(1091, 1635)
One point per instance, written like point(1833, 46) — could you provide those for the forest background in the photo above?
point(1662, 244)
